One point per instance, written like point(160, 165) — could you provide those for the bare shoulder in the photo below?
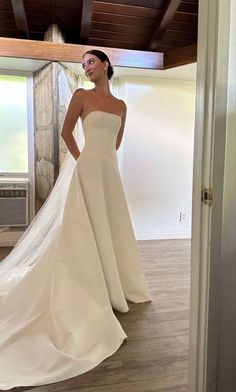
point(79, 92)
point(78, 99)
point(78, 96)
point(123, 107)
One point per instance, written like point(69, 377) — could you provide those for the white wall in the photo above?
point(156, 156)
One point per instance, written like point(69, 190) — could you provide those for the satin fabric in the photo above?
point(56, 313)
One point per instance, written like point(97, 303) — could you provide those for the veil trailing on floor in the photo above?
point(37, 237)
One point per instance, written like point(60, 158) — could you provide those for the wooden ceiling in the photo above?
point(164, 26)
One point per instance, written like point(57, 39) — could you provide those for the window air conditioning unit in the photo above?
point(14, 202)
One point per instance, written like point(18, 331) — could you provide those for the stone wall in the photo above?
point(53, 88)
point(54, 85)
point(44, 135)
point(67, 83)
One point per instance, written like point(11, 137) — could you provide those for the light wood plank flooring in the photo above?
point(155, 356)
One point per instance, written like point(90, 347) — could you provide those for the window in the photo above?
point(14, 133)
point(17, 131)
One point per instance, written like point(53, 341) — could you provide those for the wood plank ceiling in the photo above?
point(165, 26)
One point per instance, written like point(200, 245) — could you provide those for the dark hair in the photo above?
point(103, 57)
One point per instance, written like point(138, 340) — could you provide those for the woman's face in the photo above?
point(94, 67)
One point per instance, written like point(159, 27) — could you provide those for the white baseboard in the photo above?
point(162, 235)
point(9, 238)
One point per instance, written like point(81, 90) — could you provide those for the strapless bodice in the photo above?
point(100, 132)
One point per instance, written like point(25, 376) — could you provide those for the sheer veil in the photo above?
point(41, 231)
point(37, 237)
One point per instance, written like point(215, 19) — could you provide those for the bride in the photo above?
point(78, 260)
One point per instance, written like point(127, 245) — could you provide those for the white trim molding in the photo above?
point(209, 155)
point(162, 234)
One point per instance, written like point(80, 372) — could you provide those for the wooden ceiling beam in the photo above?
point(20, 18)
point(86, 20)
point(167, 16)
point(50, 51)
point(124, 9)
point(180, 56)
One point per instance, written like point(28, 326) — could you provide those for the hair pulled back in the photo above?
point(103, 57)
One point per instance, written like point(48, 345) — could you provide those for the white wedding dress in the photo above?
point(58, 289)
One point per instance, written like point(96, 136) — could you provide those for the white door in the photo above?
point(214, 53)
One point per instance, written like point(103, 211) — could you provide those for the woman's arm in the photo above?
point(72, 115)
point(122, 127)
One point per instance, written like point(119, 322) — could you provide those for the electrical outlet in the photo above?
point(182, 216)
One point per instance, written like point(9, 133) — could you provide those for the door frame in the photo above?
point(209, 162)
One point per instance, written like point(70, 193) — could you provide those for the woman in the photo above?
point(98, 70)
point(57, 299)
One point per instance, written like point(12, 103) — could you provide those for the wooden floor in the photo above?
point(155, 356)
